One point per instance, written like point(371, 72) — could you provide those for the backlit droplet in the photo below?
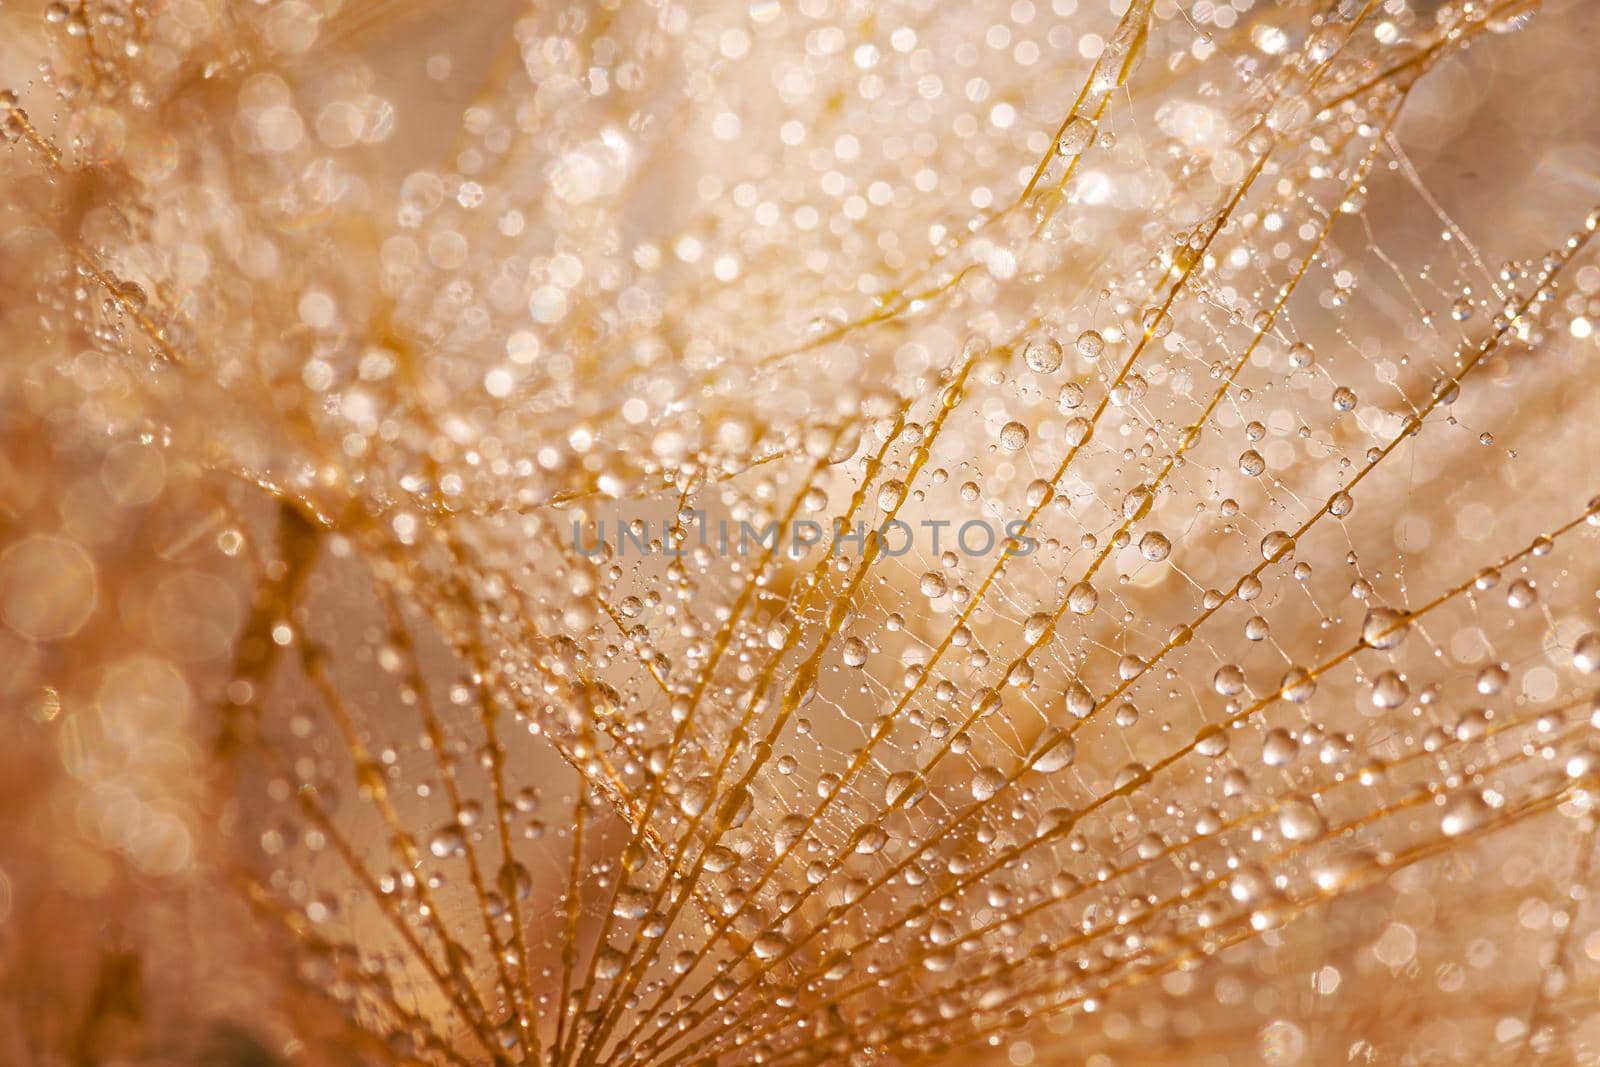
point(1383, 628)
point(1586, 653)
point(1276, 545)
point(1299, 820)
point(1279, 749)
point(1154, 546)
point(855, 652)
point(1075, 136)
point(1463, 815)
point(1042, 354)
point(448, 840)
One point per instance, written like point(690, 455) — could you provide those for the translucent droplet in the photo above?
point(1298, 820)
point(1521, 594)
point(608, 963)
point(1298, 685)
point(1279, 749)
point(1276, 545)
point(1586, 653)
point(1212, 742)
point(1228, 680)
point(696, 795)
point(1390, 690)
point(768, 945)
point(1154, 546)
point(904, 789)
point(870, 840)
point(1383, 628)
point(449, 840)
point(1079, 701)
point(1464, 815)
point(632, 903)
point(1075, 136)
point(515, 881)
point(1042, 354)
point(986, 783)
point(1053, 751)
point(855, 652)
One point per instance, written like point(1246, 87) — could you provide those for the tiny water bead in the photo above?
point(1013, 436)
point(1090, 344)
point(1042, 354)
point(1299, 820)
point(1082, 599)
point(855, 652)
point(1155, 546)
point(1586, 653)
point(1384, 628)
point(972, 651)
point(1075, 136)
point(1276, 546)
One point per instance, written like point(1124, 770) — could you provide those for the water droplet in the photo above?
point(632, 903)
point(1279, 749)
point(608, 963)
point(1384, 628)
point(904, 789)
point(696, 795)
point(986, 783)
point(855, 652)
point(768, 945)
point(1464, 815)
point(1299, 820)
point(1013, 436)
point(1079, 701)
point(1228, 680)
point(515, 881)
point(1586, 653)
point(1389, 690)
point(1075, 136)
point(1212, 742)
point(869, 840)
point(1053, 751)
point(1298, 685)
point(1042, 354)
point(1154, 546)
point(1276, 545)
point(449, 840)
